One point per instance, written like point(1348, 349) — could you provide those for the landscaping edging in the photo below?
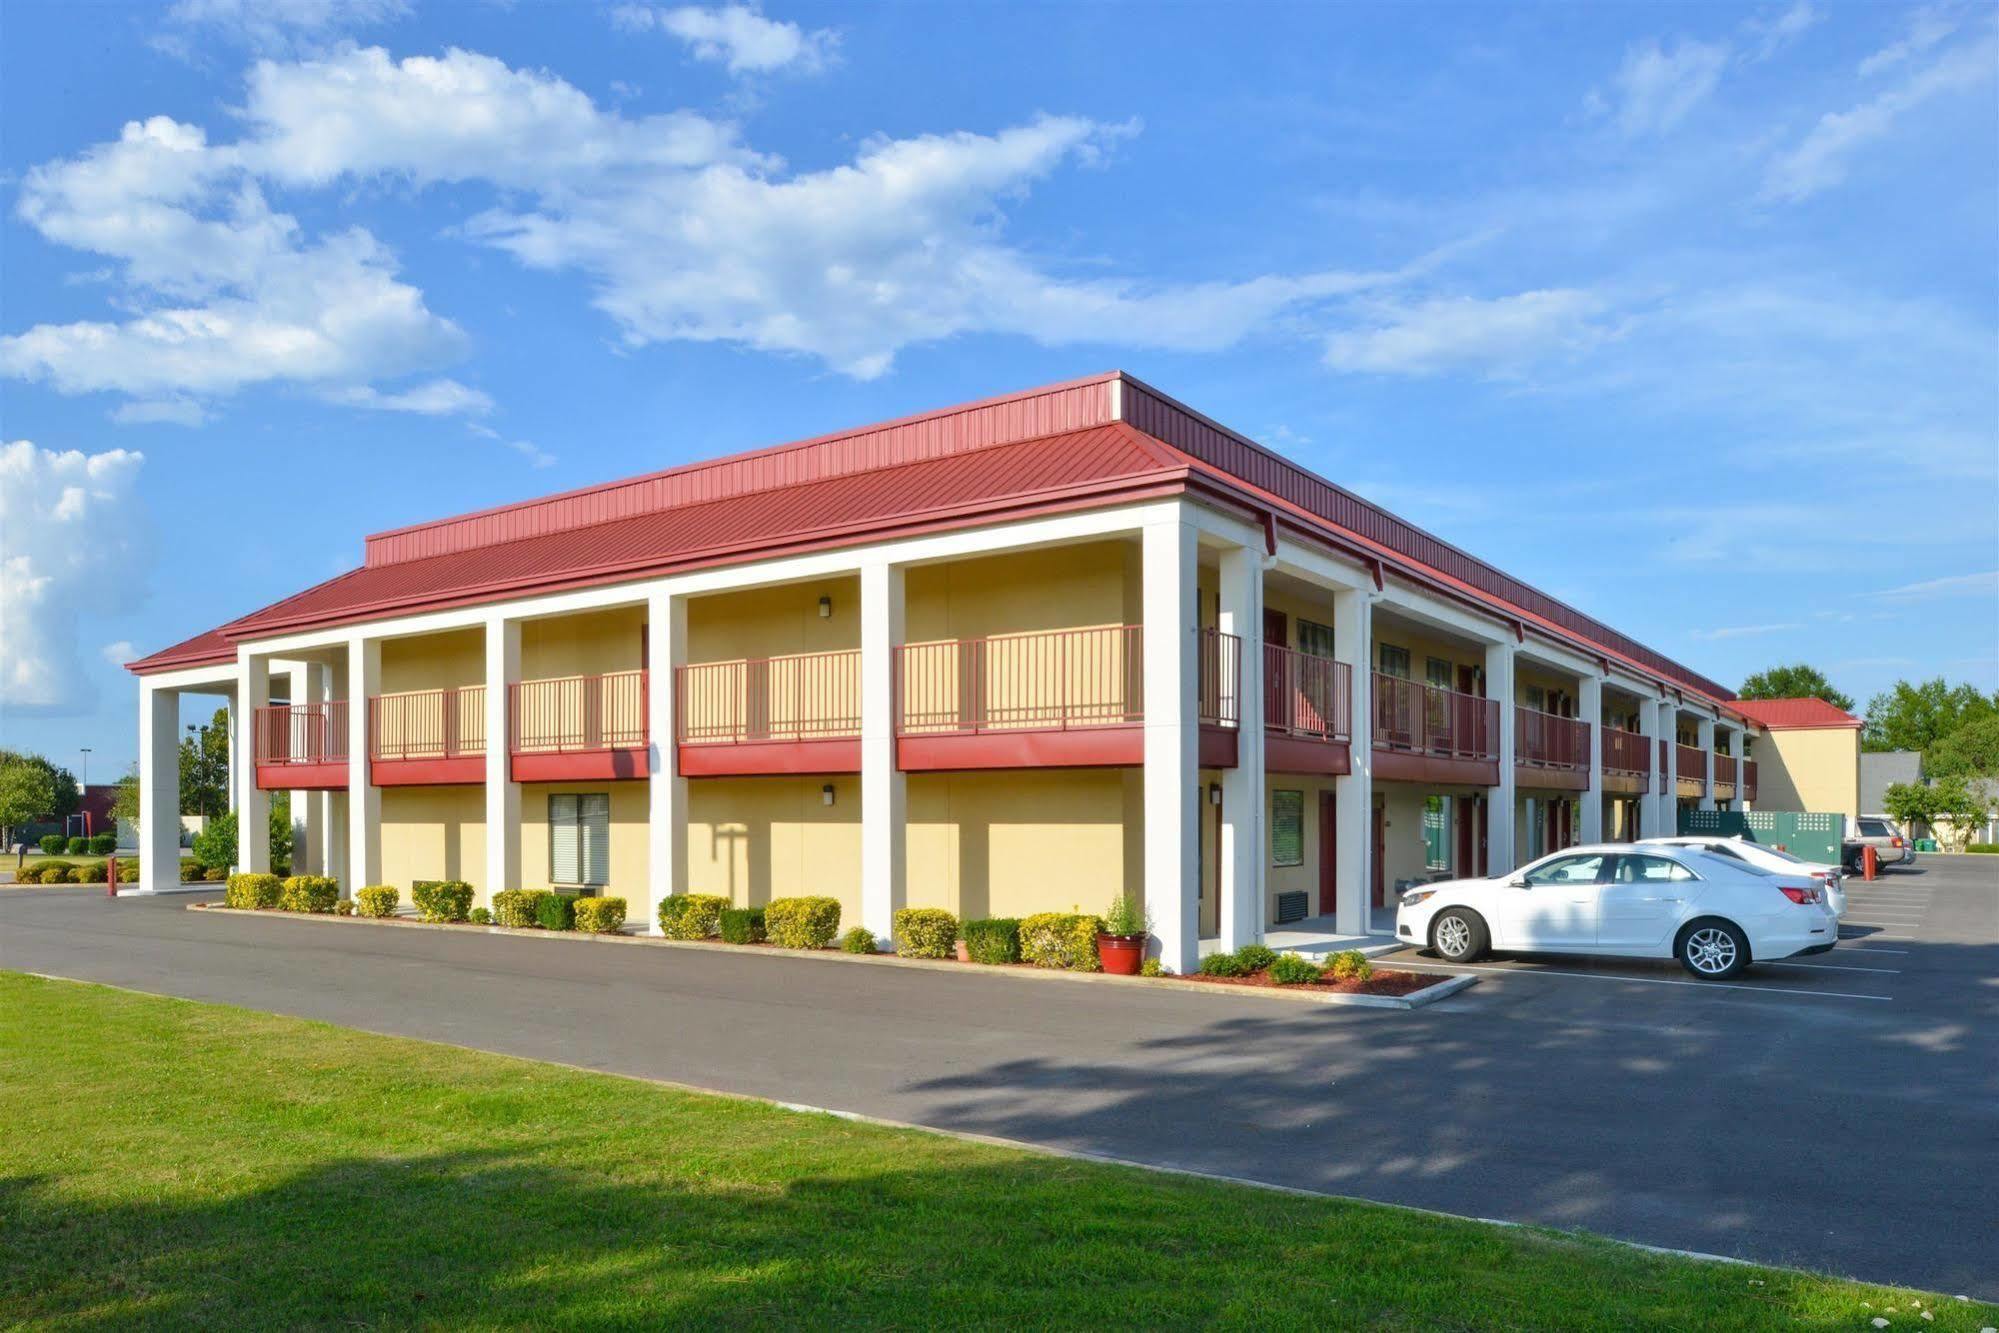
point(1295, 994)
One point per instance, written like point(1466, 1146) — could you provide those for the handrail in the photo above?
point(448, 723)
point(571, 714)
point(1690, 762)
point(1724, 769)
point(1306, 695)
point(1549, 740)
point(1054, 679)
point(314, 733)
point(1431, 720)
point(799, 696)
point(1219, 702)
point(1624, 752)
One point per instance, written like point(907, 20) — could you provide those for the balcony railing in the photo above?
point(1053, 680)
point(1305, 695)
point(1219, 703)
point(1547, 740)
point(302, 733)
point(1690, 763)
point(1624, 752)
point(579, 714)
point(1724, 770)
point(808, 696)
point(428, 724)
point(1431, 720)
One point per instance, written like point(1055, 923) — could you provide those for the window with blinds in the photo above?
point(1315, 640)
point(579, 839)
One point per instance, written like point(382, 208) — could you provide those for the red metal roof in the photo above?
point(1088, 441)
point(1796, 714)
point(204, 649)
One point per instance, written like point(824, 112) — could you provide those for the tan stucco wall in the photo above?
point(754, 839)
point(1299, 878)
point(1422, 647)
point(1816, 770)
point(588, 644)
point(1010, 843)
point(630, 849)
point(774, 622)
point(1061, 587)
point(435, 833)
point(433, 661)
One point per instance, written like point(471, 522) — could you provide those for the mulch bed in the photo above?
point(1383, 982)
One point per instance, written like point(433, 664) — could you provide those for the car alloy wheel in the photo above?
point(1453, 937)
point(1711, 951)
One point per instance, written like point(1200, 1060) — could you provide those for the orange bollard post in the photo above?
point(1870, 863)
point(111, 874)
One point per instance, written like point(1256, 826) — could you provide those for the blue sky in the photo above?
point(1684, 313)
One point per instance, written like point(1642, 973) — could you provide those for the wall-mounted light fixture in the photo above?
point(825, 608)
point(1214, 793)
point(826, 794)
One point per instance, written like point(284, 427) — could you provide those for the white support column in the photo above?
point(1500, 806)
point(1353, 793)
point(1741, 801)
point(308, 832)
point(884, 787)
point(1172, 742)
point(1589, 703)
point(666, 651)
point(1704, 739)
point(1648, 804)
point(364, 799)
point(253, 805)
point(159, 788)
point(1241, 861)
point(503, 794)
point(1669, 782)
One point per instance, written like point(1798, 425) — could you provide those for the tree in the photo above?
point(125, 805)
point(1970, 751)
point(1907, 803)
point(1950, 806)
point(1795, 682)
point(204, 768)
point(1917, 716)
point(215, 846)
point(27, 793)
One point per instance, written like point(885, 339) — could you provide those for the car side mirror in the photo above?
point(1518, 883)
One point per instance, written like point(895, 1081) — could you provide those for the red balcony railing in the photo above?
point(1724, 770)
point(302, 733)
point(1690, 763)
point(806, 696)
point(1305, 695)
point(1220, 669)
point(1547, 740)
point(1429, 719)
point(428, 724)
point(1749, 779)
point(1053, 680)
point(1624, 753)
point(579, 713)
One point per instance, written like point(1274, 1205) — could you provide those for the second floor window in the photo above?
point(1394, 661)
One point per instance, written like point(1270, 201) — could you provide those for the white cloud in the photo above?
point(1658, 86)
point(436, 398)
point(1744, 631)
point(1819, 161)
point(1772, 35)
point(1985, 584)
point(1926, 28)
point(275, 25)
point(68, 540)
point(1500, 336)
point(158, 411)
point(119, 653)
point(536, 457)
point(734, 35)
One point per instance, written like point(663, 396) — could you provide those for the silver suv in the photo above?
point(1880, 833)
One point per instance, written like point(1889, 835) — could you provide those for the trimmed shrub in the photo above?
point(442, 899)
point(742, 925)
point(1985, 847)
point(557, 911)
point(215, 845)
point(78, 847)
point(128, 869)
point(215, 874)
point(690, 916)
point(252, 892)
point(345, 907)
point(1349, 965)
point(516, 907)
point(45, 872)
point(600, 916)
point(54, 844)
point(1060, 939)
point(1256, 956)
point(1152, 967)
point(89, 873)
point(481, 917)
point(103, 844)
point(994, 940)
point(925, 932)
point(802, 923)
point(309, 893)
point(190, 872)
point(377, 900)
point(859, 940)
point(1224, 965)
point(1288, 969)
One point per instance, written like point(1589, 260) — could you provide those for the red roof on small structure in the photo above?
point(1087, 443)
point(1796, 714)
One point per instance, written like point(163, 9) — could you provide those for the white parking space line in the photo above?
point(1651, 981)
point(1844, 952)
point(1838, 967)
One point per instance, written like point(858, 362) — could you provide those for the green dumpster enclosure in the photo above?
point(1802, 833)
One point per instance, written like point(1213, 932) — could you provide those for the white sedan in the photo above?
point(1774, 859)
point(1713, 914)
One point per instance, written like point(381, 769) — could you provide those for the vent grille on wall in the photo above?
point(1292, 907)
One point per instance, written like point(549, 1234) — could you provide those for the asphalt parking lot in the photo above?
point(1839, 1120)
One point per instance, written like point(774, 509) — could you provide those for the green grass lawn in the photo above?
point(168, 1163)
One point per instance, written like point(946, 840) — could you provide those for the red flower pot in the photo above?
point(1121, 955)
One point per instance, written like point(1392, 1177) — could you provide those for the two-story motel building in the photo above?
point(1012, 656)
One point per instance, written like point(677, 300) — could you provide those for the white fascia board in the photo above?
point(1540, 650)
point(1418, 605)
point(1051, 531)
point(1316, 566)
point(217, 679)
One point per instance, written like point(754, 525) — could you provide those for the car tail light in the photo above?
point(1798, 895)
point(1894, 842)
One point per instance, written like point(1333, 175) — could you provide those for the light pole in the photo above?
point(83, 788)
